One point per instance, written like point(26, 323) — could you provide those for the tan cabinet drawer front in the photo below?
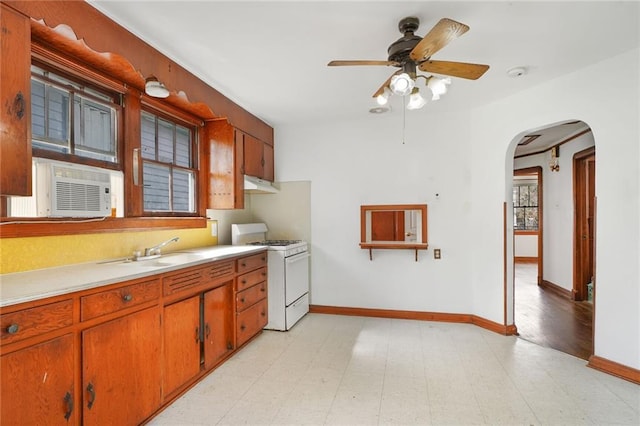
point(252, 278)
point(183, 280)
point(250, 263)
point(251, 321)
point(250, 296)
point(31, 322)
point(109, 301)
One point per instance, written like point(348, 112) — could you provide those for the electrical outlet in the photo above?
point(214, 228)
point(436, 253)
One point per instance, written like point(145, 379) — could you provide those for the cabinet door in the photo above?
point(181, 343)
point(225, 177)
point(218, 324)
point(253, 156)
point(15, 104)
point(268, 157)
point(37, 384)
point(121, 369)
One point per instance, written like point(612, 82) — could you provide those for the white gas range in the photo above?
point(288, 274)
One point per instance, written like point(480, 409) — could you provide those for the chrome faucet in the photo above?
point(155, 250)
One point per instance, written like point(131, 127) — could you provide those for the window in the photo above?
point(168, 167)
point(72, 119)
point(525, 206)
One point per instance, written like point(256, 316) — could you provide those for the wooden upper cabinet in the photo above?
point(224, 152)
point(15, 103)
point(258, 158)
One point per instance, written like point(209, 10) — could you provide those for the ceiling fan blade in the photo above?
point(359, 62)
point(380, 91)
point(455, 69)
point(445, 31)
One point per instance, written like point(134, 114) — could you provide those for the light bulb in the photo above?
point(438, 86)
point(416, 101)
point(401, 84)
point(383, 98)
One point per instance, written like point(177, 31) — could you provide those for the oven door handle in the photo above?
point(297, 257)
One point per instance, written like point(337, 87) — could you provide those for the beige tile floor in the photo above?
point(338, 370)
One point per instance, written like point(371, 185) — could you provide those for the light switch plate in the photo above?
point(214, 228)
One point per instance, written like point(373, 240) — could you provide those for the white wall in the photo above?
point(525, 246)
point(612, 112)
point(467, 158)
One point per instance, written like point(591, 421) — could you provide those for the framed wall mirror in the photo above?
point(393, 226)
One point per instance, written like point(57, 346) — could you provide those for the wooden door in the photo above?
point(584, 164)
point(218, 324)
point(15, 103)
point(41, 385)
point(181, 343)
point(387, 225)
point(121, 365)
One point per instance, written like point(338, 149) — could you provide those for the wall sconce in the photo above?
point(553, 163)
point(153, 87)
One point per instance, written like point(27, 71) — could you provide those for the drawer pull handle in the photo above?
point(243, 264)
point(69, 400)
point(242, 300)
point(197, 335)
point(262, 289)
point(92, 395)
point(18, 105)
point(13, 329)
point(262, 313)
point(127, 298)
point(229, 346)
point(207, 330)
point(242, 327)
point(244, 281)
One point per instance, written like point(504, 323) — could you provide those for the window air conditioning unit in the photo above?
point(72, 190)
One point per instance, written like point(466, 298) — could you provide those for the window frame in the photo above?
point(195, 126)
point(112, 91)
point(517, 206)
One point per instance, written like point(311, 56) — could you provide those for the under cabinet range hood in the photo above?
point(254, 185)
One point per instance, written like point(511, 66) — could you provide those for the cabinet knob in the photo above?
point(244, 281)
point(242, 327)
point(229, 346)
point(262, 289)
point(263, 313)
point(13, 329)
point(127, 298)
point(243, 264)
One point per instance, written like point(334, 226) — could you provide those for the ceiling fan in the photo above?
point(412, 52)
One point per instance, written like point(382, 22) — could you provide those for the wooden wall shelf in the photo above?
point(393, 246)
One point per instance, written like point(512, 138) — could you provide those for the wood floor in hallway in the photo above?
point(548, 319)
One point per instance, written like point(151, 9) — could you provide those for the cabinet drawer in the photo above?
point(250, 263)
point(31, 322)
point(250, 296)
point(252, 278)
point(109, 301)
point(251, 321)
point(182, 280)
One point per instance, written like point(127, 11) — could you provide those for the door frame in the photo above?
point(537, 170)
point(580, 222)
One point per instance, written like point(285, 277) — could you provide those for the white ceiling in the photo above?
point(271, 57)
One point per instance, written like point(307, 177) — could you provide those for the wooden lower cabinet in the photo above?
point(121, 384)
point(182, 343)
point(37, 384)
point(218, 324)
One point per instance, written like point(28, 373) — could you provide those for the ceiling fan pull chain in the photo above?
point(404, 120)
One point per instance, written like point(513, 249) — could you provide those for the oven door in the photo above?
point(296, 277)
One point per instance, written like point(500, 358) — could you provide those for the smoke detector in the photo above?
point(517, 72)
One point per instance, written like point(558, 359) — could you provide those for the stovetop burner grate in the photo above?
point(275, 242)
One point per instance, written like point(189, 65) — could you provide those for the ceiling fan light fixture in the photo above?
point(154, 88)
point(401, 84)
point(383, 98)
point(416, 101)
point(438, 86)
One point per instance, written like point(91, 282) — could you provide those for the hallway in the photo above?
point(550, 320)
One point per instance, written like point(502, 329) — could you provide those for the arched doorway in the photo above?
point(550, 295)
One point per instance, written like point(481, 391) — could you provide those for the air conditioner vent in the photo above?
point(75, 196)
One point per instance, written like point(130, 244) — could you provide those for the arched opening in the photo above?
point(552, 226)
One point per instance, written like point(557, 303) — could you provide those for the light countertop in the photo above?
point(20, 287)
